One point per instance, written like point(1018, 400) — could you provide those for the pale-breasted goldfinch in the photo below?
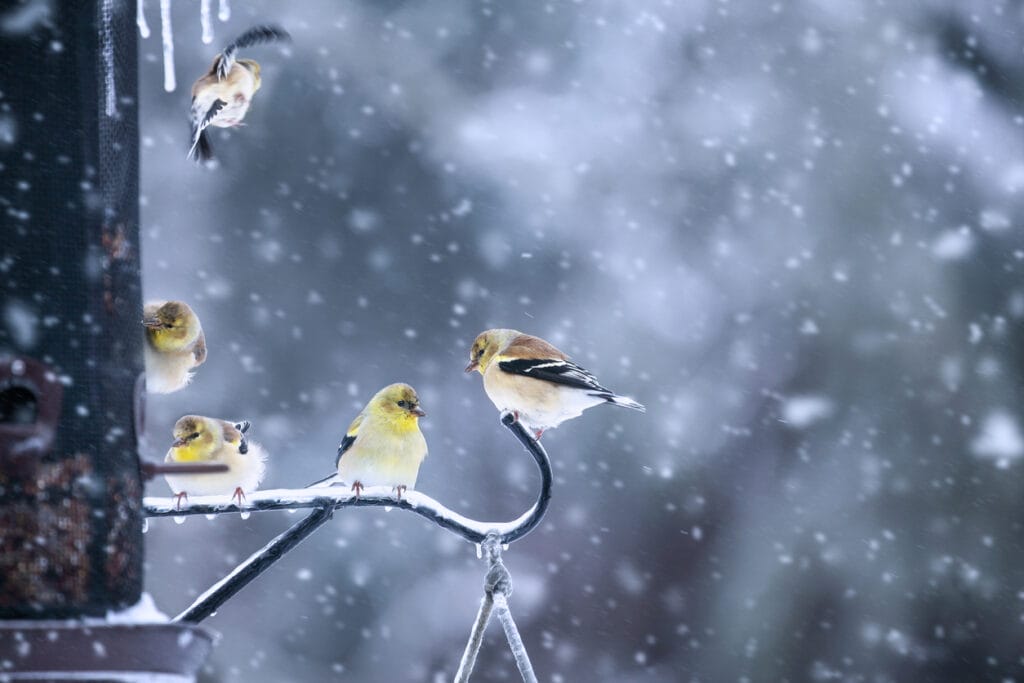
point(199, 439)
point(175, 345)
point(531, 378)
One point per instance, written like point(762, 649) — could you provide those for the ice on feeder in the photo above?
point(206, 20)
point(167, 36)
point(140, 18)
point(107, 40)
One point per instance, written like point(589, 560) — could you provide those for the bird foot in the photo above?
point(238, 495)
point(178, 497)
point(357, 486)
point(538, 434)
point(399, 490)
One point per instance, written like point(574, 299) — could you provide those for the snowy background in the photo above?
point(791, 229)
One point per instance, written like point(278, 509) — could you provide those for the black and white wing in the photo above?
point(201, 149)
point(254, 36)
point(563, 372)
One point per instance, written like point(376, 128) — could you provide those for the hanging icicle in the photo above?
point(207, 21)
point(140, 18)
point(167, 34)
point(107, 40)
point(223, 10)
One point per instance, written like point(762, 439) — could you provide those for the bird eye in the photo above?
point(193, 435)
point(403, 404)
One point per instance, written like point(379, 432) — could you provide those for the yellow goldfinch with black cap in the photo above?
point(534, 380)
point(175, 345)
point(199, 439)
point(222, 96)
point(384, 445)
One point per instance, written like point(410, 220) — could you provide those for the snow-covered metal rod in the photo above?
point(334, 497)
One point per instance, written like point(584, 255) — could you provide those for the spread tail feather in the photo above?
point(254, 36)
point(202, 150)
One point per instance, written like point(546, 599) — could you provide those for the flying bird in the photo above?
point(199, 439)
point(175, 345)
point(221, 97)
point(534, 380)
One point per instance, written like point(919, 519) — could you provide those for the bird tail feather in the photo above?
point(254, 36)
point(624, 401)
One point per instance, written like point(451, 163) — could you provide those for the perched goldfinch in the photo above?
point(222, 96)
point(383, 446)
point(175, 345)
point(199, 439)
point(538, 383)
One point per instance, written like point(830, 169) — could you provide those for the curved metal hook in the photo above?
point(425, 506)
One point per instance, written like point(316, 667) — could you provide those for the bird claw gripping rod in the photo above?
point(325, 500)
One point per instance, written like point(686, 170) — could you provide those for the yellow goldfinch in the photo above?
point(175, 345)
point(383, 446)
point(221, 97)
point(199, 439)
point(538, 383)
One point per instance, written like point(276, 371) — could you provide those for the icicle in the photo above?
point(179, 519)
point(388, 508)
point(479, 551)
point(207, 21)
point(167, 33)
point(145, 524)
point(245, 514)
point(107, 39)
point(223, 10)
point(210, 517)
point(140, 18)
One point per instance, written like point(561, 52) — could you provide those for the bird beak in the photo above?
point(151, 322)
point(418, 412)
point(473, 365)
point(178, 443)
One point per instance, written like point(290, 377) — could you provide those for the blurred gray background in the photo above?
point(791, 229)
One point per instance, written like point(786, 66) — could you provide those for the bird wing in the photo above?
point(199, 350)
point(350, 437)
point(254, 36)
point(234, 433)
point(200, 147)
point(557, 371)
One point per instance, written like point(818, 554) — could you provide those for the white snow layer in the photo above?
point(314, 497)
point(143, 612)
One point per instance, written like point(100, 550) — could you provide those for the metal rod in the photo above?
point(515, 641)
point(476, 639)
point(414, 501)
point(208, 603)
point(327, 502)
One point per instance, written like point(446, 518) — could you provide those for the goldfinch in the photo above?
point(534, 380)
point(175, 345)
point(199, 439)
point(383, 446)
point(221, 97)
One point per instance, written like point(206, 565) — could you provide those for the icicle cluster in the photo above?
point(167, 36)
